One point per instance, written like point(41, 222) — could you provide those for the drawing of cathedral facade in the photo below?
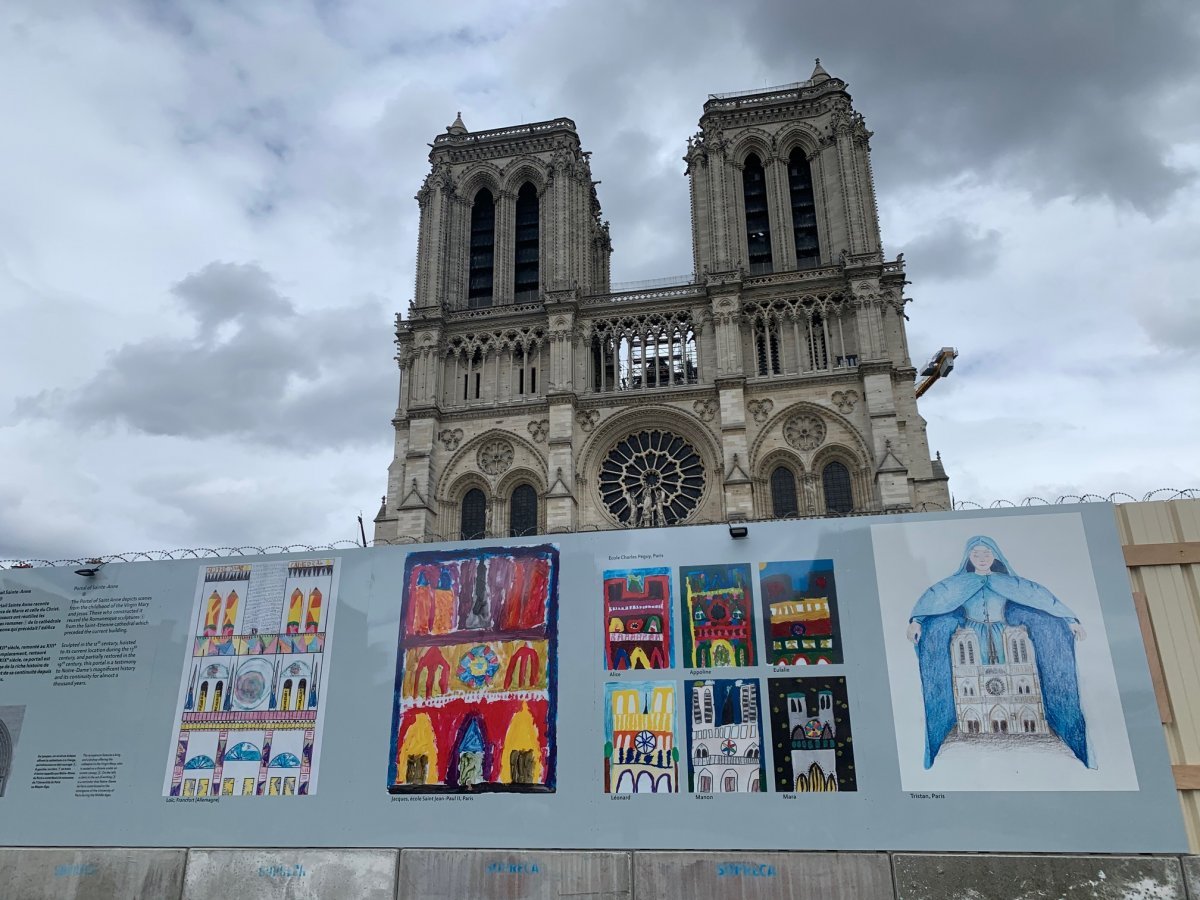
point(992, 697)
point(476, 673)
point(637, 615)
point(814, 742)
point(725, 738)
point(641, 756)
point(250, 712)
point(719, 630)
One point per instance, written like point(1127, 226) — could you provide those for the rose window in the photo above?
point(651, 478)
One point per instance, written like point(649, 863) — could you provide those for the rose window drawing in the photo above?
point(478, 666)
point(644, 741)
point(651, 478)
point(729, 747)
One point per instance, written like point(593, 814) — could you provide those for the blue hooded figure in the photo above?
point(987, 596)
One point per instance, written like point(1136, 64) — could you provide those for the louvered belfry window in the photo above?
point(804, 211)
point(483, 249)
point(523, 512)
point(839, 498)
point(525, 277)
point(783, 493)
point(474, 515)
point(758, 222)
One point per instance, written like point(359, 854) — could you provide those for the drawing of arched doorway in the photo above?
point(644, 784)
point(722, 653)
point(468, 759)
point(625, 783)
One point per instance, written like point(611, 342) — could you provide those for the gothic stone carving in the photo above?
point(705, 409)
point(450, 437)
point(804, 432)
point(587, 418)
point(539, 429)
point(760, 409)
point(845, 400)
point(495, 456)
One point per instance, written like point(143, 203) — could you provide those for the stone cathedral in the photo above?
point(775, 382)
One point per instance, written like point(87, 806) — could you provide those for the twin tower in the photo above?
point(774, 382)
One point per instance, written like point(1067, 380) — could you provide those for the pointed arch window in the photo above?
point(525, 267)
point(474, 515)
point(804, 211)
point(783, 493)
point(758, 222)
point(483, 249)
point(839, 498)
point(523, 511)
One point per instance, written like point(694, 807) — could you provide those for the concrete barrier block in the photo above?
point(762, 876)
point(63, 873)
point(535, 874)
point(295, 874)
point(922, 876)
point(1191, 876)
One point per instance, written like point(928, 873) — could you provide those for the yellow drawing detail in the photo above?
point(419, 741)
point(522, 736)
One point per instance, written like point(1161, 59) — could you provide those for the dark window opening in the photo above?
point(839, 498)
point(521, 381)
point(477, 379)
point(766, 346)
point(533, 380)
point(783, 493)
point(525, 270)
point(474, 515)
point(758, 223)
point(483, 249)
point(523, 512)
point(804, 211)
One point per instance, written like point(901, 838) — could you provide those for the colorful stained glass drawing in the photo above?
point(638, 632)
point(810, 728)
point(725, 745)
point(641, 755)
point(250, 699)
point(800, 614)
point(719, 627)
point(476, 672)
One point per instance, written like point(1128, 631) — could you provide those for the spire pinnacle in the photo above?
point(818, 74)
point(457, 126)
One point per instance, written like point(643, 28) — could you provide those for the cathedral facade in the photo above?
point(775, 382)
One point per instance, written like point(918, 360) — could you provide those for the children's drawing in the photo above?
point(997, 657)
point(641, 755)
point(250, 706)
point(637, 617)
point(810, 725)
point(716, 605)
point(476, 677)
point(11, 718)
point(725, 752)
point(800, 612)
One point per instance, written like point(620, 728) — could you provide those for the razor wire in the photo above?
point(1158, 494)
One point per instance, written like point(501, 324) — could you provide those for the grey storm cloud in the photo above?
point(953, 249)
point(1064, 97)
point(272, 374)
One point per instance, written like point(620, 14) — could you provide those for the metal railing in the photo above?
point(1157, 494)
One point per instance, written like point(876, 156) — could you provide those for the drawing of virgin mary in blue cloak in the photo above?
point(986, 595)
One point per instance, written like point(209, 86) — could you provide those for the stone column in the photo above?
point(736, 484)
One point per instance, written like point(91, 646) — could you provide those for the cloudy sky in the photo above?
point(207, 224)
